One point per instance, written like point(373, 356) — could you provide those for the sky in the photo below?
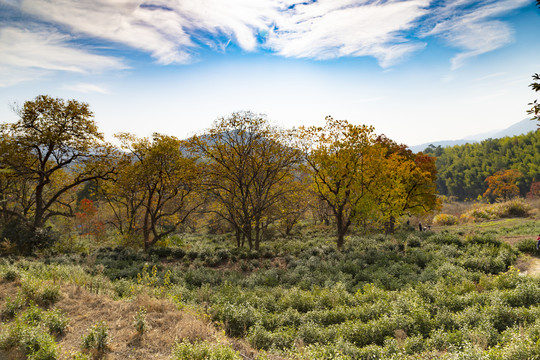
point(417, 70)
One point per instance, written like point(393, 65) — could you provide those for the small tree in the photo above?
point(534, 192)
point(502, 185)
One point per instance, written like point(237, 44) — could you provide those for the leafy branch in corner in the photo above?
point(535, 109)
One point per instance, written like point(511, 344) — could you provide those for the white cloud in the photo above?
point(168, 30)
point(334, 28)
point(87, 88)
point(27, 54)
point(173, 30)
point(471, 26)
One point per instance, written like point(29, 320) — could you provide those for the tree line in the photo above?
point(463, 169)
point(243, 174)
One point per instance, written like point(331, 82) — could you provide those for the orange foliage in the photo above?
point(502, 184)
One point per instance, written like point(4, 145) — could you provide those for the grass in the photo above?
point(448, 293)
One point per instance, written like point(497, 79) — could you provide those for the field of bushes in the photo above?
point(448, 294)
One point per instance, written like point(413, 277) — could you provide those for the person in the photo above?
point(538, 242)
point(420, 226)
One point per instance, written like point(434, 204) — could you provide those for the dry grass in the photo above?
point(166, 324)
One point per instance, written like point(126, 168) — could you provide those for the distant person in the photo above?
point(538, 242)
point(420, 226)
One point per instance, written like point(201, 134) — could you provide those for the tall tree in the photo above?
point(154, 190)
point(248, 163)
point(53, 148)
point(340, 158)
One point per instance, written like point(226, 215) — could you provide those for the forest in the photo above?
point(463, 169)
point(248, 241)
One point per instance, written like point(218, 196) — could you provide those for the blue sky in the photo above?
point(417, 70)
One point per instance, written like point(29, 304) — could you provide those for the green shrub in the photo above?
point(97, 338)
point(11, 307)
point(139, 321)
point(11, 274)
point(204, 351)
point(26, 239)
point(43, 293)
point(236, 318)
point(260, 338)
point(38, 345)
point(30, 340)
point(32, 315)
point(56, 321)
point(526, 245)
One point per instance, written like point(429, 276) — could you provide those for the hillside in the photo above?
point(414, 295)
point(462, 169)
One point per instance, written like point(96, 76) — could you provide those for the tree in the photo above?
point(409, 186)
point(53, 148)
point(535, 109)
point(534, 192)
point(248, 164)
point(502, 184)
point(340, 159)
point(154, 189)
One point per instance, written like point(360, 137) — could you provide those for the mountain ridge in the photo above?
point(522, 127)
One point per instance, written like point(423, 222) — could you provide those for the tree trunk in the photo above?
point(146, 232)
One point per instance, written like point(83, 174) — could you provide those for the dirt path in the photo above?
point(530, 266)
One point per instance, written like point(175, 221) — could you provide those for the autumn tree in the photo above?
point(534, 192)
point(292, 207)
point(339, 158)
point(53, 148)
point(502, 185)
point(154, 189)
point(408, 187)
point(248, 162)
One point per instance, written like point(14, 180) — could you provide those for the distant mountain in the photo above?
point(522, 127)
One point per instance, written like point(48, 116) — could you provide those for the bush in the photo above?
point(11, 274)
point(445, 219)
point(236, 318)
point(204, 351)
point(43, 293)
point(26, 239)
point(139, 321)
point(526, 245)
point(56, 321)
point(11, 307)
point(97, 338)
point(31, 341)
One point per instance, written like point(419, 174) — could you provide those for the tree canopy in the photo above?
point(54, 147)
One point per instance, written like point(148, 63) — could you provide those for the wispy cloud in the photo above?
point(28, 54)
point(87, 88)
point(172, 31)
point(330, 29)
point(472, 26)
point(168, 30)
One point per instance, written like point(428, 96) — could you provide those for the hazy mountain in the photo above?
point(522, 127)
